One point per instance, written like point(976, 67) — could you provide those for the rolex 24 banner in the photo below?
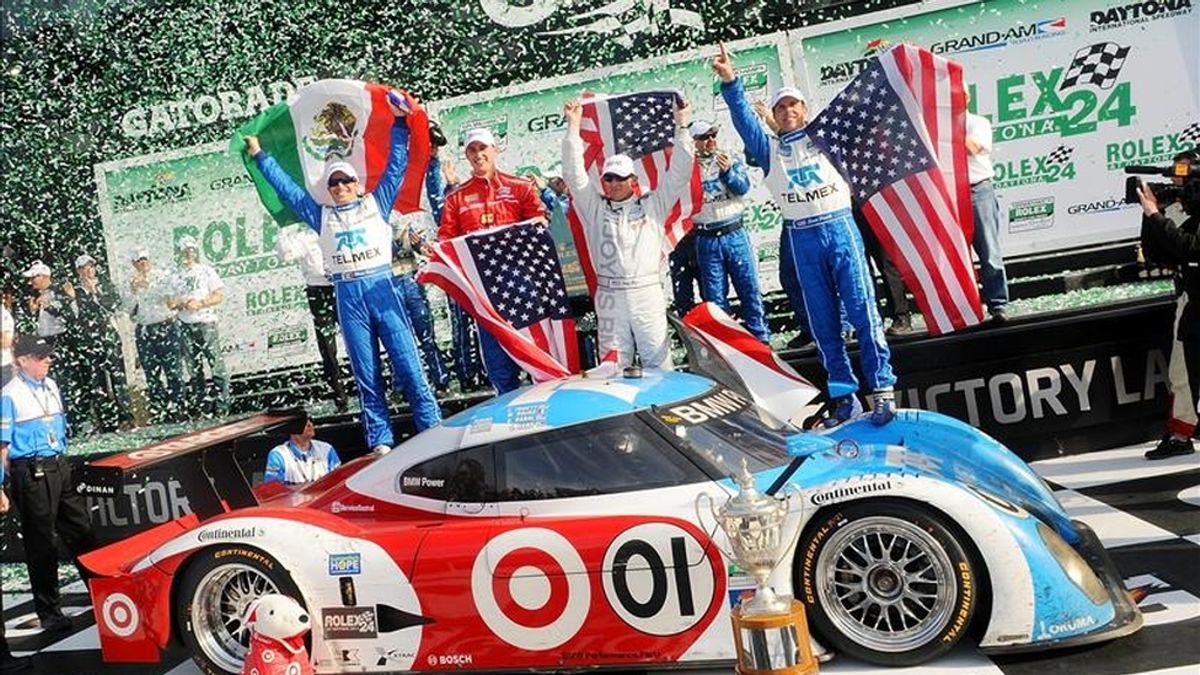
point(343, 120)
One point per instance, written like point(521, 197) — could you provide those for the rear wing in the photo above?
point(203, 462)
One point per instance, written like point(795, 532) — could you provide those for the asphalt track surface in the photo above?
point(1146, 513)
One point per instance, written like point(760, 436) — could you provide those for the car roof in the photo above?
point(526, 411)
point(577, 399)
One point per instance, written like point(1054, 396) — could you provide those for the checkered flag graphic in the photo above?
point(1191, 133)
point(1099, 65)
point(1059, 155)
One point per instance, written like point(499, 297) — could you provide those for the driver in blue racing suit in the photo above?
point(356, 241)
point(825, 245)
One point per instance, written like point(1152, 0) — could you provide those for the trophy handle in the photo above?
point(788, 493)
point(712, 509)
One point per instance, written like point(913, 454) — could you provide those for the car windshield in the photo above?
point(721, 428)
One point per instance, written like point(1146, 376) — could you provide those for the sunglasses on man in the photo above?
point(613, 178)
point(344, 180)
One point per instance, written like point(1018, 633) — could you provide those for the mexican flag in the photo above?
point(336, 119)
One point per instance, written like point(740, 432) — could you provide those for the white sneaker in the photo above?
point(381, 449)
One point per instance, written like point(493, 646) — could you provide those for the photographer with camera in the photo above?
point(1178, 247)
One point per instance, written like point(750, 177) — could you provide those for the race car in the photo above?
point(556, 528)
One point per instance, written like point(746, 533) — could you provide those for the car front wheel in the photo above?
point(214, 599)
point(886, 582)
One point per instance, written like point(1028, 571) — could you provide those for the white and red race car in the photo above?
point(556, 528)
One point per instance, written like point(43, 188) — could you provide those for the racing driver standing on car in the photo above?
point(822, 239)
point(356, 241)
point(489, 198)
point(625, 234)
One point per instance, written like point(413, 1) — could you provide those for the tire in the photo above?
point(222, 581)
point(887, 581)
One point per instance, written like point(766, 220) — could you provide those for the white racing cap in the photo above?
point(618, 165)
point(480, 135)
point(37, 269)
point(787, 92)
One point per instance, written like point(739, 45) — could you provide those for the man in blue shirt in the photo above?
point(723, 249)
point(302, 459)
point(356, 240)
point(33, 448)
point(825, 247)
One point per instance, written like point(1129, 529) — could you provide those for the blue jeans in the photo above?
point(158, 351)
point(417, 307)
point(369, 312)
point(730, 257)
point(202, 344)
point(683, 274)
point(467, 363)
point(987, 244)
point(502, 371)
point(832, 267)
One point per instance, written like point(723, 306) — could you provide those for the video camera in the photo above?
point(1186, 167)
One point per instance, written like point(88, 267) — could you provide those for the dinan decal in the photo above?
point(705, 408)
point(848, 491)
point(649, 583)
point(538, 595)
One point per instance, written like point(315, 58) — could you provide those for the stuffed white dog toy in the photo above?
point(279, 624)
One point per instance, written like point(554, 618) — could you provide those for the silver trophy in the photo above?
point(753, 524)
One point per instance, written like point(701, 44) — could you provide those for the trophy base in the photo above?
point(773, 644)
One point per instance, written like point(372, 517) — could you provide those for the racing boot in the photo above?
point(841, 409)
point(1171, 446)
point(884, 407)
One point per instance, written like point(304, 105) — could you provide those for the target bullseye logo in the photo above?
point(531, 588)
point(120, 614)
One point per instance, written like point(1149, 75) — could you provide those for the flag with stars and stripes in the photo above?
point(897, 134)
point(642, 126)
point(510, 280)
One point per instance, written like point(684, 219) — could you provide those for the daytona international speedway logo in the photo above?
point(848, 70)
point(1126, 13)
point(999, 39)
point(333, 133)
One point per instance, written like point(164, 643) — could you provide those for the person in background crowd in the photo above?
point(986, 209)
point(723, 249)
point(685, 272)
point(8, 662)
point(407, 241)
point(33, 451)
point(468, 363)
point(100, 376)
point(356, 242)
point(897, 295)
point(195, 291)
point(302, 459)
point(552, 190)
point(1179, 247)
point(625, 239)
point(825, 245)
point(8, 332)
point(156, 336)
point(52, 309)
point(299, 243)
point(489, 198)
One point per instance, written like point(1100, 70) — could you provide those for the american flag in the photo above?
point(897, 134)
point(510, 280)
point(642, 126)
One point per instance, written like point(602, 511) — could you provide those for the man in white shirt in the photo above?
point(195, 291)
point(302, 244)
point(156, 335)
point(987, 216)
point(302, 459)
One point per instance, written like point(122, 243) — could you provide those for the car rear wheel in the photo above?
point(214, 598)
point(887, 582)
